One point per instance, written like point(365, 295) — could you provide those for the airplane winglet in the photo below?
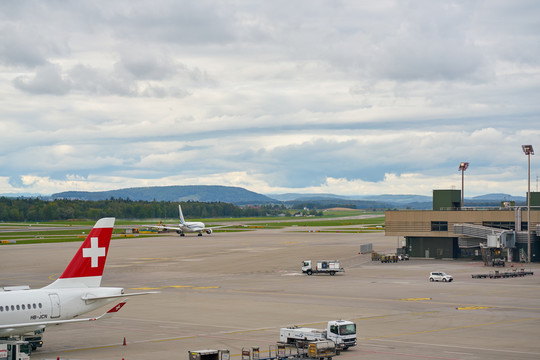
point(116, 308)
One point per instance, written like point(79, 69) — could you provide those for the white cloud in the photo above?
point(308, 96)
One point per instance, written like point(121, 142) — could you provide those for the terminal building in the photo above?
point(452, 231)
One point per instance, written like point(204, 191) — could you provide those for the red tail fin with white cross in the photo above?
point(86, 267)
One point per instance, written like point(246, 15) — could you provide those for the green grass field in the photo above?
point(63, 231)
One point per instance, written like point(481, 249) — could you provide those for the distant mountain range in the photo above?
point(241, 196)
point(383, 198)
point(204, 193)
point(500, 197)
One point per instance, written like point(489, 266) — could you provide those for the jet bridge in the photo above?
point(495, 238)
point(489, 239)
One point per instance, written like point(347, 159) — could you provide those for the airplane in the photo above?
point(188, 226)
point(26, 312)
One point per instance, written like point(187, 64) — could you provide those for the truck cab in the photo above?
point(342, 332)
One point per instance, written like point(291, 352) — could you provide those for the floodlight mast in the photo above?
point(528, 150)
point(462, 167)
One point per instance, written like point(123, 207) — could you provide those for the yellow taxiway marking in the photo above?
point(176, 287)
point(93, 348)
point(435, 302)
point(175, 339)
point(473, 307)
point(246, 331)
point(451, 328)
point(375, 317)
point(416, 299)
point(206, 287)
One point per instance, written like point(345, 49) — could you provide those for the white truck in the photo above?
point(341, 332)
point(15, 350)
point(321, 267)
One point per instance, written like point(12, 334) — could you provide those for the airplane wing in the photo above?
point(217, 227)
point(42, 324)
point(89, 298)
point(165, 227)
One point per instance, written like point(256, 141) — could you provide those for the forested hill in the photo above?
point(204, 193)
point(33, 209)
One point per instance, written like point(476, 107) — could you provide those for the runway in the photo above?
point(235, 290)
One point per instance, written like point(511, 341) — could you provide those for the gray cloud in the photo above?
point(276, 96)
point(48, 79)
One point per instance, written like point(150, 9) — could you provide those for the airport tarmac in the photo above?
point(235, 290)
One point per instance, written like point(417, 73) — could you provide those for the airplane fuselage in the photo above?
point(33, 306)
point(192, 226)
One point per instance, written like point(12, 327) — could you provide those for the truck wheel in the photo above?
point(309, 272)
point(332, 273)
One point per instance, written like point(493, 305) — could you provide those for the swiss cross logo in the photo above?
point(117, 307)
point(94, 252)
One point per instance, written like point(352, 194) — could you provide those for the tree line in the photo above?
point(35, 209)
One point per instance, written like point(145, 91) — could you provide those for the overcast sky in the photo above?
point(343, 97)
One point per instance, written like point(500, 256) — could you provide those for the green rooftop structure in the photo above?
point(447, 200)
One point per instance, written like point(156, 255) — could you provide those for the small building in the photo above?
point(453, 231)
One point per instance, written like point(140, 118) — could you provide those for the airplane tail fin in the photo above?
point(181, 215)
point(86, 267)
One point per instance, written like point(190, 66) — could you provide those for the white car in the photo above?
point(440, 276)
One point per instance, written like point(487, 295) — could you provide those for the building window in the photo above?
point(439, 226)
point(506, 225)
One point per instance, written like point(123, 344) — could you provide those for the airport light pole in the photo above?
point(528, 150)
point(462, 167)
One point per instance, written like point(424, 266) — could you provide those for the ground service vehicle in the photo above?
point(15, 350)
point(321, 349)
point(440, 276)
point(498, 262)
point(322, 266)
point(341, 332)
point(209, 355)
point(34, 341)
